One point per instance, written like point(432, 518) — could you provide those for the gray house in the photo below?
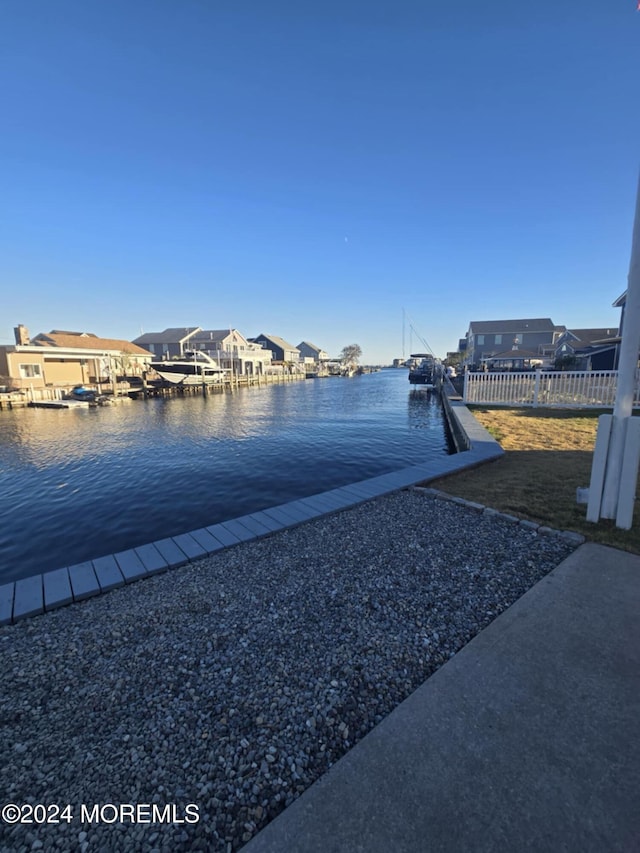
point(233, 351)
point(589, 349)
point(309, 350)
point(168, 344)
point(282, 350)
point(489, 338)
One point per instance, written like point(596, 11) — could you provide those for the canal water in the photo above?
point(78, 484)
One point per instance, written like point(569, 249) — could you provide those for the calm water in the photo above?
point(77, 484)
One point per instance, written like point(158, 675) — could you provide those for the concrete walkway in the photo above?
point(528, 739)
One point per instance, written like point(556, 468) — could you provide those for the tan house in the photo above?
point(64, 359)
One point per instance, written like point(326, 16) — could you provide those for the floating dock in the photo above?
point(59, 404)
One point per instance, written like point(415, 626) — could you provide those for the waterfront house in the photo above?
point(487, 339)
point(309, 350)
point(603, 353)
point(233, 351)
point(588, 349)
point(282, 351)
point(63, 359)
point(314, 359)
point(171, 343)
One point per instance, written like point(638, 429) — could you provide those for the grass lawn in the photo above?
point(548, 454)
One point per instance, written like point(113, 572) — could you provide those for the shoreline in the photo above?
point(46, 592)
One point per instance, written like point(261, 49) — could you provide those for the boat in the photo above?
point(194, 368)
point(81, 394)
point(422, 369)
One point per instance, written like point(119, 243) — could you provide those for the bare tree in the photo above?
point(350, 354)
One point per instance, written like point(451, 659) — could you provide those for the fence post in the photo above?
point(536, 389)
point(466, 382)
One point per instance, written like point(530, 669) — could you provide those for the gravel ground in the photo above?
point(234, 683)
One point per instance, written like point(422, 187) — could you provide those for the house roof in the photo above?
point(310, 345)
point(515, 353)
point(216, 335)
point(505, 327)
point(85, 340)
point(279, 342)
point(598, 348)
point(213, 334)
point(83, 334)
point(586, 337)
point(169, 336)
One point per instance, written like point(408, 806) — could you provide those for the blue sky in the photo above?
point(309, 170)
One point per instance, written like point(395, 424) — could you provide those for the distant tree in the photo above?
point(565, 362)
point(351, 354)
point(453, 359)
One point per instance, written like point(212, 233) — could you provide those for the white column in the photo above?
point(628, 362)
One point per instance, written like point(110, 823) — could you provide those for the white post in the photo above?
point(536, 389)
point(598, 468)
point(629, 476)
point(113, 371)
point(628, 362)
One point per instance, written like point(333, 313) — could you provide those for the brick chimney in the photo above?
point(22, 335)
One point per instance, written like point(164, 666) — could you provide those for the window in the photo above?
point(498, 339)
point(30, 371)
point(517, 339)
point(480, 340)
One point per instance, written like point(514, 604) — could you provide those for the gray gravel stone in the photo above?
point(237, 681)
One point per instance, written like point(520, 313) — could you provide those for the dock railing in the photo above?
point(595, 389)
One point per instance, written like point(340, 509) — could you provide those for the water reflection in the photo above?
point(75, 484)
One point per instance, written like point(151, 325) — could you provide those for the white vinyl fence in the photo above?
point(594, 389)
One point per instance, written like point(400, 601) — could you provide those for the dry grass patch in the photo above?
point(540, 429)
point(548, 455)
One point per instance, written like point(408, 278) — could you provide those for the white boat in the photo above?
point(194, 368)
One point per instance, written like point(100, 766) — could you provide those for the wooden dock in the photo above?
point(161, 388)
point(13, 400)
point(45, 398)
point(53, 397)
